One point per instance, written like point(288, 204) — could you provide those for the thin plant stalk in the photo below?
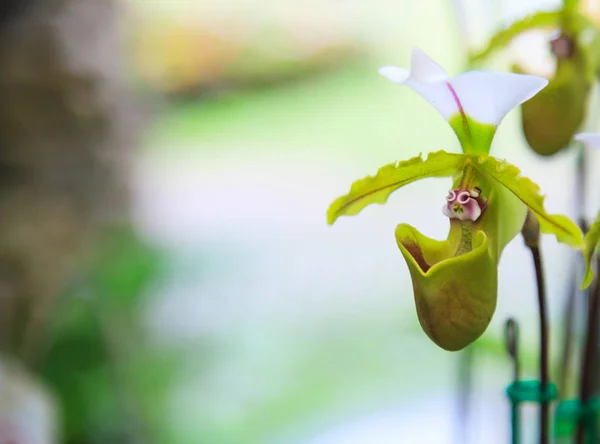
point(544, 348)
point(588, 371)
point(512, 346)
point(531, 235)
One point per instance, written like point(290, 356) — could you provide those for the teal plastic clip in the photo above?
point(570, 412)
point(527, 391)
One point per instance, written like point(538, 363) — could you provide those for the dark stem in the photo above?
point(544, 349)
point(511, 329)
point(586, 385)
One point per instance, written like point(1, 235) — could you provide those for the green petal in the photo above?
point(592, 238)
point(455, 296)
point(376, 189)
point(565, 230)
point(503, 37)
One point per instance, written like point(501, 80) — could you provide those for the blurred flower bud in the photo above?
point(552, 117)
point(531, 230)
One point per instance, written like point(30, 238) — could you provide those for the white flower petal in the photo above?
point(591, 140)
point(428, 79)
point(424, 69)
point(394, 74)
point(484, 97)
point(489, 96)
point(438, 94)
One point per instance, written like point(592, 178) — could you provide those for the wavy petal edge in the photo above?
point(564, 229)
point(390, 177)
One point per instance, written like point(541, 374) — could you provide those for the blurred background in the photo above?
point(222, 309)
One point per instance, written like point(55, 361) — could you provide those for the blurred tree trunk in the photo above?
point(66, 126)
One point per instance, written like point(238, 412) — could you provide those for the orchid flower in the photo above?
point(552, 117)
point(455, 280)
point(592, 237)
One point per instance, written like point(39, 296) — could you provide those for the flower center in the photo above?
point(463, 205)
point(562, 46)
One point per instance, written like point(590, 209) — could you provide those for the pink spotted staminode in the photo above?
point(463, 205)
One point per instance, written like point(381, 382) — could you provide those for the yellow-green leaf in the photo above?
point(376, 189)
point(591, 240)
point(509, 176)
point(539, 20)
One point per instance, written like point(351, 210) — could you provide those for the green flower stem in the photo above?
point(588, 364)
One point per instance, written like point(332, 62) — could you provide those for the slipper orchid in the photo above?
point(552, 117)
point(455, 280)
